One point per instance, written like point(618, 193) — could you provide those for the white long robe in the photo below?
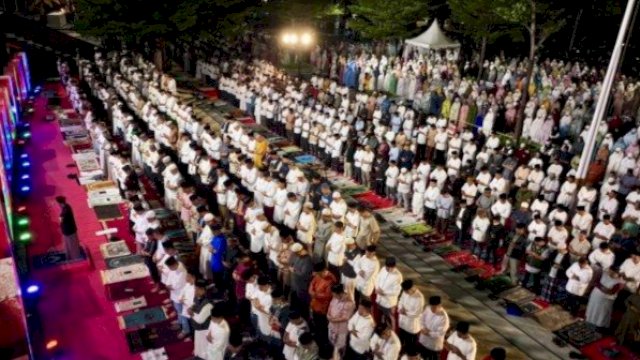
point(219, 333)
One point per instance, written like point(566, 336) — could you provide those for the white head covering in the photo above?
point(296, 247)
point(208, 217)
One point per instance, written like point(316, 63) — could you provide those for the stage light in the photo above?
point(25, 188)
point(25, 177)
point(32, 289)
point(306, 39)
point(52, 344)
point(22, 209)
point(24, 156)
point(25, 236)
point(26, 135)
point(26, 164)
point(23, 221)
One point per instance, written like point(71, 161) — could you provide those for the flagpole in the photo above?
point(603, 97)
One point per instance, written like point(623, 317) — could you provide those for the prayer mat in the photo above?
point(155, 354)
point(143, 317)
point(579, 334)
point(444, 250)
point(416, 229)
point(554, 318)
point(108, 212)
point(130, 304)
point(290, 149)
point(114, 249)
point(342, 182)
point(170, 223)
point(101, 185)
point(458, 258)
point(176, 234)
point(530, 308)
point(498, 284)
point(354, 190)
point(126, 273)
point(374, 201)
point(607, 348)
point(154, 204)
point(127, 290)
point(163, 213)
point(305, 159)
point(518, 295)
point(121, 261)
point(150, 338)
point(55, 258)
point(184, 247)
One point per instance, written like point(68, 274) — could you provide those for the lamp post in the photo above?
point(297, 41)
point(603, 97)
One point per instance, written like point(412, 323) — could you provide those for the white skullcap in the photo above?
point(208, 217)
point(296, 247)
point(308, 205)
point(172, 167)
point(166, 159)
point(336, 194)
point(524, 204)
point(326, 212)
point(349, 241)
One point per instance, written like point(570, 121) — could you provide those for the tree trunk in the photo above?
point(525, 86)
point(483, 53)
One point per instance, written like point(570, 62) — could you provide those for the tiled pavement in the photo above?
point(523, 337)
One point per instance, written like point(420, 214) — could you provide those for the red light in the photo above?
point(22, 209)
point(52, 344)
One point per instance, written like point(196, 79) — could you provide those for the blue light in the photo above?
point(25, 177)
point(24, 156)
point(32, 289)
point(26, 164)
point(25, 188)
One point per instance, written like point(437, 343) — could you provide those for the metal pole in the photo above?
point(603, 97)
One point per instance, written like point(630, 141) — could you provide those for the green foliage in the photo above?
point(383, 19)
point(134, 20)
point(299, 12)
point(478, 20)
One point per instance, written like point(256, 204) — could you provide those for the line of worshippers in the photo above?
point(170, 272)
point(516, 194)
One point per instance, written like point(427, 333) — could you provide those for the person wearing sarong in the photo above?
point(553, 290)
point(602, 298)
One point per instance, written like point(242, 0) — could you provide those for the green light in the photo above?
point(23, 221)
point(26, 135)
point(25, 237)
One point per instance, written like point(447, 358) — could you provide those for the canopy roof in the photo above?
point(433, 38)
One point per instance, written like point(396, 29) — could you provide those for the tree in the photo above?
point(383, 19)
point(539, 20)
point(477, 20)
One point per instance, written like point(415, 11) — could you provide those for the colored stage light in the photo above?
point(26, 135)
point(32, 289)
point(24, 156)
point(26, 164)
point(52, 344)
point(22, 209)
point(25, 177)
point(25, 237)
point(25, 188)
point(23, 221)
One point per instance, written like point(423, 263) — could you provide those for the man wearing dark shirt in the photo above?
point(69, 229)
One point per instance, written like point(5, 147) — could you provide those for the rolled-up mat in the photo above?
point(121, 261)
point(143, 317)
point(151, 338)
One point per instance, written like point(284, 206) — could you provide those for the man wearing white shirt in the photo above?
point(502, 208)
point(582, 221)
point(387, 287)
point(200, 313)
point(608, 205)
point(579, 277)
point(630, 272)
point(431, 196)
point(469, 191)
point(603, 231)
point(336, 248)
point(540, 205)
point(176, 280)
point(602, 258)
point(434, 323)
point(410, 307)
point(186, 300)
point(557, 236)
point(261, 304)
point(296, 327)
point(366, 268)
point(385, 344)
point(391, 183)
point(460, 344)
point(361, 326)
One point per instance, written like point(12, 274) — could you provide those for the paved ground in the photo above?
point(523, 338)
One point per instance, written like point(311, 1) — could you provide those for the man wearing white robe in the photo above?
point(204, 241)
point(361, 326)
point(388, 285)
point(217, 334)
point(385, 344)
point(410, 308)
point(366, 268)
point(434, 323)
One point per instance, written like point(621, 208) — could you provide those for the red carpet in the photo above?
point(73, 306)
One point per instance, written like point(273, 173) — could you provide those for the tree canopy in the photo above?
point(383, 19)
point(133, 20)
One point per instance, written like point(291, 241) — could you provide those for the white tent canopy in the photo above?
point(434, 39)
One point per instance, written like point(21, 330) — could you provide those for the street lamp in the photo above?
point(297, 41)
